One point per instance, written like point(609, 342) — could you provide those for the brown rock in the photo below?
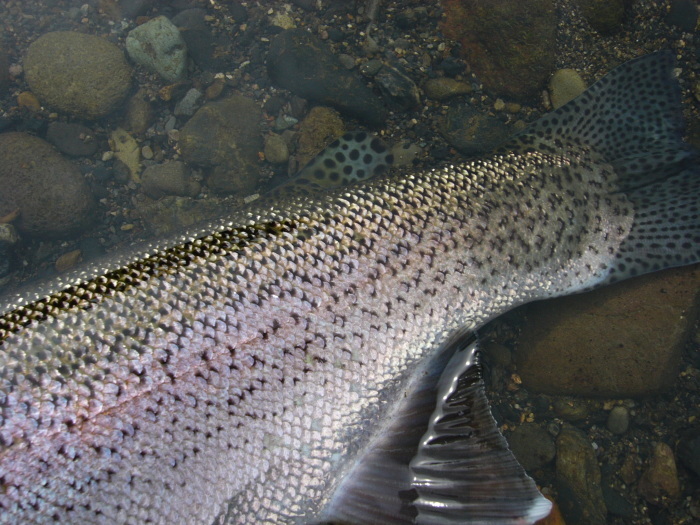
point(659, 483)
point(26, 99)
point(578, 470)
point(320, 127)
point(68, 260)
point(621, 341)
point(224, 136)
point(49, 191)
point(508, 43)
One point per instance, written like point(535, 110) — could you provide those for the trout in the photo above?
point(310, 358)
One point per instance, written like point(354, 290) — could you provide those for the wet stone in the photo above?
point(223, 137)
point(188, 104)
point(276, 150)
point(170, 178)
point(443, 88)
point(565, 85)
point(614, 342)
point(533, 446)
point(605, 16)
point(577, 468)
point(75, 140)
point(618, 420)
point(158, 46)
point(471, 131)
point(83, 75)
point(659, 483)
point(53, 198)
point(303, 64)
point(397, 88)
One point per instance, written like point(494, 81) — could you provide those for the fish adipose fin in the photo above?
point(443, 465)
point(632, 119)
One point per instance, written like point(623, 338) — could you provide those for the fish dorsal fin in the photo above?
point(354, 157)
point(443, 465)
point(631, 117)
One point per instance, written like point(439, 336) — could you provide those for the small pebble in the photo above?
point(68, 260)
point(618, 420)
point(27, 99)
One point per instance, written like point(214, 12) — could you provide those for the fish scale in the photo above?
point(241, 374)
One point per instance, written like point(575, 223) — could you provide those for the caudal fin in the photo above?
point(631, 119)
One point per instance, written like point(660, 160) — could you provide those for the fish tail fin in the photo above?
point(631, 120)
point(640, 134)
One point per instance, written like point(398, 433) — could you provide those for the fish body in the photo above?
point(243, 373)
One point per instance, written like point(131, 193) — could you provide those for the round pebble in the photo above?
point(618, 420)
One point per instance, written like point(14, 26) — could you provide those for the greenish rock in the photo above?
point(470, 131)
point(223, 137)
point(50, 193)
point(169, 178)
point(82, 75)
point(565, 85)
point(303, 64)
point(622, 341)
point(443, 88)
point(509, 44)
point(605, 16)
point(158, 46)
point(577, 468)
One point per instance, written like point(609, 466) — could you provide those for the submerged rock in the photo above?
point(82, 75)
point(303, 64)
point(471, 131)
point(223, 136)
point(52, 197)
point(620, 341)
point(75, 140)
point(565, 85)
point(158, 46)
point(509, 44)
point(579, 473)
point(659, 483)
point(170, 178)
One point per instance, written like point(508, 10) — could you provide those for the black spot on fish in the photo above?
point(340, 157)
point(354, 154)
point(334, 176)
point(329, 163)
point(347, 169)
point(367, 159)
point(377, 145)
